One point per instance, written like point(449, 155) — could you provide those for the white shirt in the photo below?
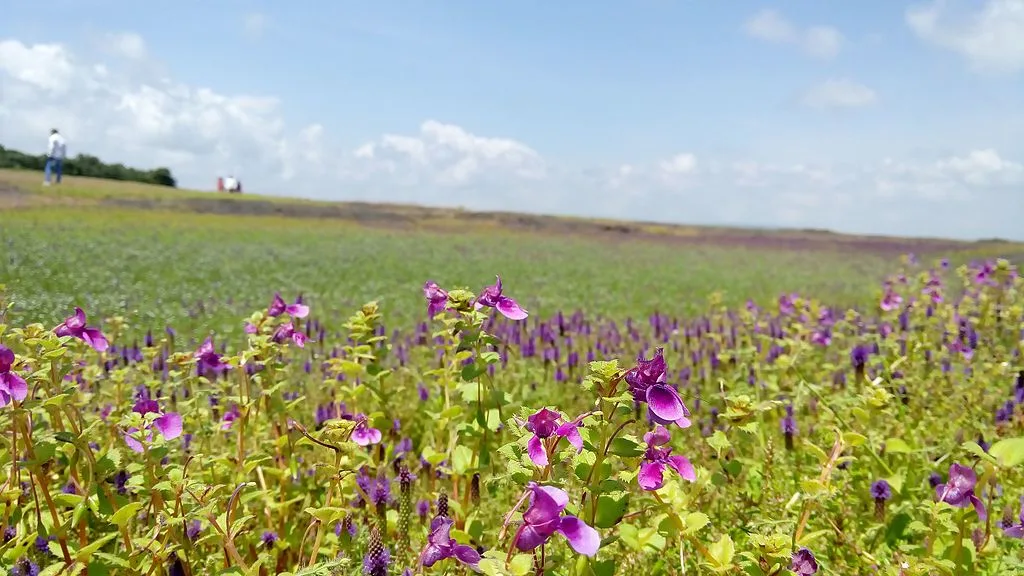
point(230, 183)
point(57, 146)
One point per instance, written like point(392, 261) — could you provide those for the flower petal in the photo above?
point(682, 465)
point(15, 386)
point(665, 402)
point(297, 310)
point(528, 538)
point(432, 554)
point(364, 435)
point(557, 494)
point(571, 432)
point(467, 554)
point(510, 309)
point(96, 339)
point(651, 476)
point(169, 425)
point(581, 537)
point(129, 439)
point(535, 448)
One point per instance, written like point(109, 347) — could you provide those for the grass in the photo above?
point(145, 253)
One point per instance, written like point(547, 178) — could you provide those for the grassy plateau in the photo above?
point(259, 385)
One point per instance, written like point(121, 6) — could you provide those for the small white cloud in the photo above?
point(839, 93)
point(823, 42)
point(255, 24)
point(679, 164)
point(991, 38)
point(127, 45)
point(770, 26)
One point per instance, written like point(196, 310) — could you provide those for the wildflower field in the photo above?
point(190, 387)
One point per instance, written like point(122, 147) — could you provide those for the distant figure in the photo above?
point(230, 184)
point(55, 153)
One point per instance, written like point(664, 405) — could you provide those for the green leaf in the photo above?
point(1008, 452)
point(83, 555)
point(694, 522)
point(125, 514)
point(719, 442)
point(611, 508)
point(854, 439)
point(722, 553)
point(626, 448)
point(897, 446)
point(462, 459)
point(521, 564)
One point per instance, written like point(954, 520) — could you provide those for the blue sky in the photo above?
point(881, 117)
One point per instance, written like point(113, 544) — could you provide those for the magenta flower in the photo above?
point(75, 326)
point(493, 298)
point(652, 468)
point(230, 415)
point(647, 384)
point(278, 307)
point(547, 423)
point(544, 517)
point(287, 331)
point(441, 546)
point(12, 386)
point(1016, 530)
point(890, 300)
point(437, 298)
point(209, 358)
point(803, 563)
point(168, 424)
point(363, 435)
point(959, 490)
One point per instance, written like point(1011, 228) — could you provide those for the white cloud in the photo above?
point(679, 164)
point(123, 115)
point(147, 121)
point(823, 42)
point(839, 93)
point(991, 37)
point(127, 45)
point(255, 23)
point(449, 155)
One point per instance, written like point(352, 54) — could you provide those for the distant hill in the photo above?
point(85, 165)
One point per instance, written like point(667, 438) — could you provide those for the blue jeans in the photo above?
point(56, 165)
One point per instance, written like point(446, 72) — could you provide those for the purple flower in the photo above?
point(268, 538)
point(437, 298)
point(287, 331)
point(1016, 530)
point(492, 297)
point(652, 468)
point(24, 567)
point(363, 435)
point(803, 563)
point(890, 300)
point(544, 517)
point(647, 384)
point(959, 490)
point(208, 357)
point(12, 386)
point(230, 415)
point(880, 490)
point(546, 423)
point(168, 424)
point(278, 307)
point(75, 326)
point(441, 546)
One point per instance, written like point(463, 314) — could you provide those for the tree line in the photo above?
point(85, 165)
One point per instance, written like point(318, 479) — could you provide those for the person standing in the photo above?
point(55, 153)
